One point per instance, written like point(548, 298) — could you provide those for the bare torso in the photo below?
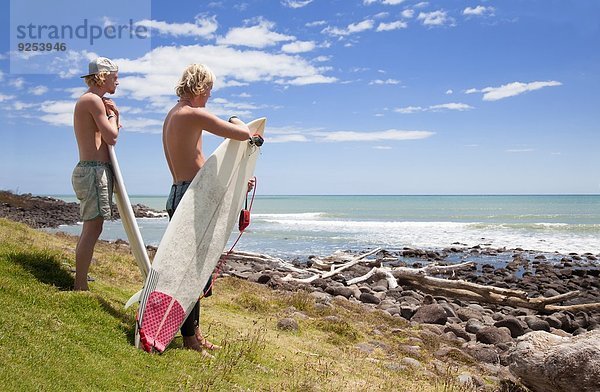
point(182, 142)
point(89, 140)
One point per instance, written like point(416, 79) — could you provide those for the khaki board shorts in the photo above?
point(93, 185)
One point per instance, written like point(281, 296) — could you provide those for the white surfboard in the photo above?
point(194, 240)
point(136, 243)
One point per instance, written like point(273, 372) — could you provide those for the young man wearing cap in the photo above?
point(182, 143)
point(96, 124)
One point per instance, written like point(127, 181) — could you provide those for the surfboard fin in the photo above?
point(134, 298)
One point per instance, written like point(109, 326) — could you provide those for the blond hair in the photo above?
point(96, 79)
point(197, 79)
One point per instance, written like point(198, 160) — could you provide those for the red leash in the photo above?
point(244, 222)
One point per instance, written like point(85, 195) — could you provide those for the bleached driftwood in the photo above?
point(489, 294)
point(386, 271)
point(332, 272)
point(419, 277)
point(392, 281)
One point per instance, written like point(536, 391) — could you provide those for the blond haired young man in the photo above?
point(96, 124)
point(182, 142)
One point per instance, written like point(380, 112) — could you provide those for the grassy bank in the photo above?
point(52, 338)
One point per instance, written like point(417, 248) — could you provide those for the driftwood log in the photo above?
point(420, 278)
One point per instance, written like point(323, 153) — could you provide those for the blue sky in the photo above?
point(361, 96)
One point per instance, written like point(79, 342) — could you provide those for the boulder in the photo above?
point(493, 335)
point(369, 298)
point(430, 314)
point(513, 324)
point(550, 363)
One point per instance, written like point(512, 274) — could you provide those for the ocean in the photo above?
point(298, 226)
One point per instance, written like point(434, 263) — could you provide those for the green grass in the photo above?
point(52, 338)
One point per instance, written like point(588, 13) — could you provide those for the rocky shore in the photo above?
point(486, 334)
point(493, 337)
point(44, 212)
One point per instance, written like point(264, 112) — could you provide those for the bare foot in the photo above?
point(191, 343)
point(205, 343)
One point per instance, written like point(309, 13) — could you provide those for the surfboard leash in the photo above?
point(244, 222)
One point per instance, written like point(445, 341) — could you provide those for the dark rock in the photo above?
point(369, 298)
point(493, 335)
point(481, 353)
point(473, 326)
point(430, 314)
point(407, 311)
point(449, 309)
point(345, 292)
point(468, 313)
point(553, 321)
point(513, 324)
point(321, 283)
point(458, 331)
point(536, 324)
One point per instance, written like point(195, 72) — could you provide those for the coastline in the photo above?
point(486, 333)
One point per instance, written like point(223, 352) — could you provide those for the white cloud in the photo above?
point(409, 109)
point(435, 18)
point(296, 3)
point(461, 107)
point(17, 83)
point(6, 97)
point(316, 23)
point(388, 81)
point(408, 13)
point(386, 2)
point(19, 105)
point(204, 26)
point(76, 92)
point(59, 113)
point(142, 125)
point(258, 36)
point(389, 135)
point(106, 21)
point(321, 59)
point(382, 147)
point(298, 47)
point(154, 75)
point(451, 106)
point(511, 89)
point(350, 29)
point(399, 24)
point(310, 79)
point(293, 138)
point(38, 90)
point(71, 63)
point(480, 10)
point(449, 92)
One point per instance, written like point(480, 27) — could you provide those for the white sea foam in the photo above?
point(286, 217)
